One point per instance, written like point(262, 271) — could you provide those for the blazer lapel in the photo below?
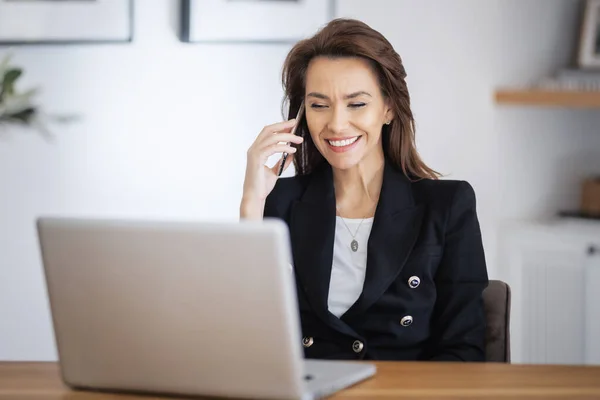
point(395, 230)
point(312, 230)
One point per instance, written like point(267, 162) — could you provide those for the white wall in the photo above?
point(166, 127)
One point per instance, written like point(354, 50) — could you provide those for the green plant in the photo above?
point(19, 107)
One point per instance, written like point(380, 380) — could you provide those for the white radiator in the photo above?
point(592, 315)
point(556, 293)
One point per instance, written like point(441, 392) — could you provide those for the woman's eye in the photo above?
point(357, 105)
point(317, 106)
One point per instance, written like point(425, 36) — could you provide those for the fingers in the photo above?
point(281, 137)
point(273, 139)
point(284, 126)
point(288, 162)
point(272, 144)
point(278, 148)
point(274, 149)
point(280, 127)
point(260, 157)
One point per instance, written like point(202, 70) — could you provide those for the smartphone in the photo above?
point(285, 155)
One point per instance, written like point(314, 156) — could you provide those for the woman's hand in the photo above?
point(260, 179)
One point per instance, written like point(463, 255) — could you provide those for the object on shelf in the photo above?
point(578, 74)
point(590, 196)
point(589, 41)
point(585, 76)
point(570, 79)
point(568, 84)
point(590, 201)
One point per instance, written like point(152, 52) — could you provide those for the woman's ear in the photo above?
point(389, 113)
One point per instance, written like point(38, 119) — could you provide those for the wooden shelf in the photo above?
point(548, 98)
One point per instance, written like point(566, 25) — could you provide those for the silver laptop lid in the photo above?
point(174, 307)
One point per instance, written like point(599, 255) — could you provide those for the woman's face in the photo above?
point(345, 110)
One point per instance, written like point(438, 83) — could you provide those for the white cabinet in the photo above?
point(592, 301)
point(553, 269)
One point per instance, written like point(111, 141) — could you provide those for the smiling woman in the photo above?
point(388, 259)
point(352, 66)
point(345, 120)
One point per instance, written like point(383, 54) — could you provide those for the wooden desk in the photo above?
point(40, 381)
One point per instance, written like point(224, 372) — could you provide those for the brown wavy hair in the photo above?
point(353, 38)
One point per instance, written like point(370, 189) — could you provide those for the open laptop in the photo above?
point(177, 308)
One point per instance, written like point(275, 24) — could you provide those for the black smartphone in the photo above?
point(298, 118)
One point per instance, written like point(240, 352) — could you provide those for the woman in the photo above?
point(388, 260)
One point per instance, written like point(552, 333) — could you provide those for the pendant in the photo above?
point(354, 245)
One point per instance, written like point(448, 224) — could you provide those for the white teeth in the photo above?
point(341, 143)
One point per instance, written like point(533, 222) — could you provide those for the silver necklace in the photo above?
point(354, 242)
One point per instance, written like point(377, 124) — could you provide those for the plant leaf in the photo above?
point(10, 77)
point(4, 64)
point(24, 116)
point(17, 103)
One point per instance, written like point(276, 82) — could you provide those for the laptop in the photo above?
point(181, 308)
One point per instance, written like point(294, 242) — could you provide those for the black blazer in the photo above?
point(426, 270)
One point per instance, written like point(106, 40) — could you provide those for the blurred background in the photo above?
point(168, 96)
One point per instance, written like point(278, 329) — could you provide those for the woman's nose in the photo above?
point(338, 120)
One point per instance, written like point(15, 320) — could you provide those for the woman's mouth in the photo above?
point(342, 144)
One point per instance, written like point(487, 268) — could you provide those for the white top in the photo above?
point(349, 267)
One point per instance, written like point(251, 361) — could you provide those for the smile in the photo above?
point(342, 145)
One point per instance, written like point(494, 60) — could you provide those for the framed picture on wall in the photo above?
point(258, 21)
point(65, 21)
point(589, 44)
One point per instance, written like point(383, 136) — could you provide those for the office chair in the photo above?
point(496, 299)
